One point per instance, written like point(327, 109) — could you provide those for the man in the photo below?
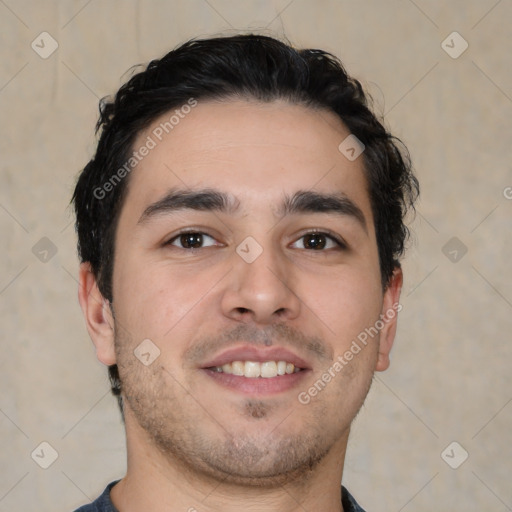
point(240, 229)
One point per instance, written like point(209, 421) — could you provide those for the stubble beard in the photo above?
point(191, 438)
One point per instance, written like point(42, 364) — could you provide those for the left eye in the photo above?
point(316, 242)
point(192, 240)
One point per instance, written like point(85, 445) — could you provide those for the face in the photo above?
point(246, 247)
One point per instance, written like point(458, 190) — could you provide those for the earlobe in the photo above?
point(98, 315)
point(389, 315)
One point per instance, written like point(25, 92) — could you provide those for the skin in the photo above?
point(191, 442)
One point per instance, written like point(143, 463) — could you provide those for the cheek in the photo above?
point(346, 303)
point(155, 299)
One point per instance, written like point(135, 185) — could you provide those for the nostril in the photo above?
point(242, 310)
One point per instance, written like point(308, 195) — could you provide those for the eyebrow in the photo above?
point(179, 199)
point(317, 202)
point(208, 199)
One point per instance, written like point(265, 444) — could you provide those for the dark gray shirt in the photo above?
point(103, 503)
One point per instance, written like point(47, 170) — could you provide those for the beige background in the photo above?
point(450, 375)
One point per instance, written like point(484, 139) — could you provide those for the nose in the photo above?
point(260, 291)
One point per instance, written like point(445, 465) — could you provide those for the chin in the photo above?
point(247, 462)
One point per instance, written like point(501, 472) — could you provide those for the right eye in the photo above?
point(192, 240)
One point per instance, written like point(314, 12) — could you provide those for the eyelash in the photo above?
point(331, 236)
point(341, 244)
point(187, 232)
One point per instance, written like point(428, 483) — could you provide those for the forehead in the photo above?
point(255, 151)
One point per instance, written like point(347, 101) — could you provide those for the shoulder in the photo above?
point(102, 503)
point(348, 502)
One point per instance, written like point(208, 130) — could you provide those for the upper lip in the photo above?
point(257, 354)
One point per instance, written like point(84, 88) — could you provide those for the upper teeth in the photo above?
point(253, 369)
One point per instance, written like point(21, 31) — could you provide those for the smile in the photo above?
point(254, 369)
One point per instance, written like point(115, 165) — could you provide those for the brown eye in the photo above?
point(192, 240)
point(317, 242)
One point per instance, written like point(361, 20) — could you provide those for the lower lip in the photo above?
point(258, 385)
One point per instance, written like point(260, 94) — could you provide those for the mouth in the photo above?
point(257, 371)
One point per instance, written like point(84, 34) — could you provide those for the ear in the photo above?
point(98, 315)
point(389, 315)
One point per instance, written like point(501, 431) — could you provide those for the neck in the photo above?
point(158, 482)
